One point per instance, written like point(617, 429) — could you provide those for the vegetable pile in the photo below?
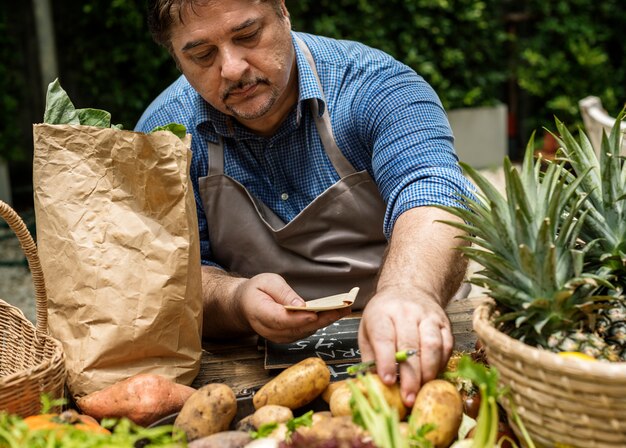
point(458, 410)
point(70, 429)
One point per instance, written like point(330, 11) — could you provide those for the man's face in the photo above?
point(239, 56)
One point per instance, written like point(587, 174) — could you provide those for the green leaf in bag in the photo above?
point(94, 117)
point(59, 107)
point(61, 110)
point(178, 130)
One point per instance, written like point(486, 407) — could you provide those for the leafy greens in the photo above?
point(61, 110)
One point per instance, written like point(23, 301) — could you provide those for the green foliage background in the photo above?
point(11, 142)
point(458, 46)
point(571, 49)
point(107, 58)
point(471, 52)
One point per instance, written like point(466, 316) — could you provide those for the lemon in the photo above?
point(577, 355)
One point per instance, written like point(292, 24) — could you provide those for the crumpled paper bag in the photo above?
point(117, 236)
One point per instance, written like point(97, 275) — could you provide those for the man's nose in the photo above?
point(234, 64)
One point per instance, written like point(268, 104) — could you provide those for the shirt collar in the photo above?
point(307, 81)
point(309, 89)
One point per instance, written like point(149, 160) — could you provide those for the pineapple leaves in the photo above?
point(554, 241)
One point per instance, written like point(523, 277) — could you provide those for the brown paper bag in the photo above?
point(118, 241)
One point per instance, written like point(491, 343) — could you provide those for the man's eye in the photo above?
point(205, 55)
point(249, 37)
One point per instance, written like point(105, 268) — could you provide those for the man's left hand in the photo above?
point(397, 319)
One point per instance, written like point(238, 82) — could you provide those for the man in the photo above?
point(315, 165)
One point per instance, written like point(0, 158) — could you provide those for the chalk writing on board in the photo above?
point(339, 372)
point(336, 343)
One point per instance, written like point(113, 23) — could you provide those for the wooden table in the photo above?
point(240, 363)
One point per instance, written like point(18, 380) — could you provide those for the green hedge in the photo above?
point(11, 89)
point(107, 58)
point(571, 49)
point(458, 46)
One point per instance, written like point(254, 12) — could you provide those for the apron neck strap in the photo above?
point(216, 157)
point(323, 124)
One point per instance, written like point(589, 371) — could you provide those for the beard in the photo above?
point(253, 108)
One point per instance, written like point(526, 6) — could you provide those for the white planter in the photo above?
point(480, 135)
point(5, 184)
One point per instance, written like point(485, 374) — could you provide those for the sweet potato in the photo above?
point(295, 386)
point(208, 411)
point(439, 402)
point(143, 398)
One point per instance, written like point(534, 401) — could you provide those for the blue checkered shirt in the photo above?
point(386, 119)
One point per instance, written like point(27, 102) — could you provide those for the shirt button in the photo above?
point(284, 196)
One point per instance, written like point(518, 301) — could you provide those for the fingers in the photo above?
point(301, 324)
point(411, 374)
point(277, 324)
point(326, 318)
point(430, 346)
point(377, 341)
point(277, 288)
point(266, 295)
point(434, 349)
point(421, 326)
point(448, 346)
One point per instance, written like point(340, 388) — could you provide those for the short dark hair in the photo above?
point(163, 13)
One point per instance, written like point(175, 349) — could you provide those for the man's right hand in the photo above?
point(256, 305)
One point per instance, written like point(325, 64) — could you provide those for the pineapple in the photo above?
point(611, 326)
point(588, 343)
point(605, 224)
point(552, 248)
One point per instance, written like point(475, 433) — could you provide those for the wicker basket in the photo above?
point(31, 362)
point(561, 401)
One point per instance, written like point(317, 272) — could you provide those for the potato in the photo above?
point(143, 398)
point(330, 389)
point(405, 429)
point(264, 443)
point(295, 386)
point(245, 424)
point(339, 402)
point(271, 413)
point(320, 417)
point(280, 433)
point(208, 411)
point(225, 439)
point(439, 402)
point(335, 431)
point(392, 395)
point(340, 399)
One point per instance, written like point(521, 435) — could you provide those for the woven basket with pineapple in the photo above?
point(552, 248)
point(32, 363)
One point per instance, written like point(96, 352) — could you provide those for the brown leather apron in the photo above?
point(335, 243)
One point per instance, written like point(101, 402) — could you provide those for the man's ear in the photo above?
point(284, 10)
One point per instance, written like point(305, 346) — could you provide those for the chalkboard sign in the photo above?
point(337, 344)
